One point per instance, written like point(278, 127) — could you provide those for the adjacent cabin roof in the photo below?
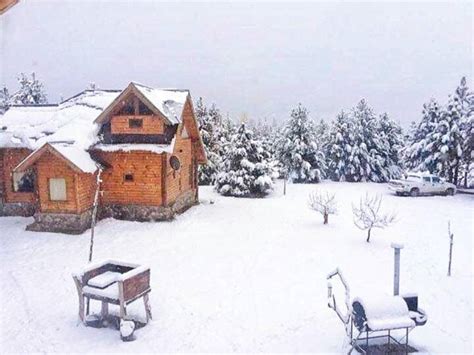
point(168, 103)
point(77, 158)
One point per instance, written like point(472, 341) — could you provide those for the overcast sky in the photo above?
point(258, 59)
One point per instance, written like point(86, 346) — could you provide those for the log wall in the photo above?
point(80, 187)
point(152, 124)
point(145, 189)
point(10, 159)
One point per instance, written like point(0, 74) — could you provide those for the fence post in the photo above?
point(451, 237)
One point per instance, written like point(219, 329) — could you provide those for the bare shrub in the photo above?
point(368, 215)
point(324, 203)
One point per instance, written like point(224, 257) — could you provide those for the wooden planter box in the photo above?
point(114, 282)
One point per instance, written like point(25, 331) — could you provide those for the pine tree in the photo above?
point(215, 132)
point(391, 143)
point(245, 170)
point(31, 91)
point(447, 140)
point(341, 163)
point(465, 99)
point(366, 151)
point(420, 154)
point(4, 100)
point(364, 147)
point(297, 149)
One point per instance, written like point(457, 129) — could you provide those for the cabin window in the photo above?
point(127, 109)
point(128, 177)
point(24, 181)
point(57, 189)
point(135, 123)
point(143, 109)
point(426, 179)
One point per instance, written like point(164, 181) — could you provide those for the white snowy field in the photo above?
point(244, 275)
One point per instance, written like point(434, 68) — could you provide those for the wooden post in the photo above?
point(284, 184)
point(451, 237)
point(81, 298)
point(396, 268)
point(104, 311)
point(146, 302)
point(94, 214)
point(123, 309)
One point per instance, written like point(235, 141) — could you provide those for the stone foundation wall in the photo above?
point(78, 223)
point(61, 222)
point(23, 209)
point(148, 213)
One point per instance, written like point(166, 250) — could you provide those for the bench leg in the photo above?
point(146, 302)
point(81, 308)
point(123, 310)
point(88, 304)
point(104, 311)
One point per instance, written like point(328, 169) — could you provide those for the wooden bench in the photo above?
point(113, 282)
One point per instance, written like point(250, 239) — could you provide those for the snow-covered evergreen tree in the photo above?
point(364, 147)
point(31, 91)
point(367, 144)
point(246, 172)
point(391, 142)
point(419, 153)
point(341, 164)
point(465, 99)
point(447, 140)
point(4, 100)
point(216, 133)
point(298, 151)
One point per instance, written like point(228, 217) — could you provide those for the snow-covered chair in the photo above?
point(113, 282)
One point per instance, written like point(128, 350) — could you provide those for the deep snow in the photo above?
point(244, 274)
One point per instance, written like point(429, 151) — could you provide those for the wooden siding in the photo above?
point(79, 186)
point(181, 181)
point(152, 124)
point(10, 159)
point(145, 189)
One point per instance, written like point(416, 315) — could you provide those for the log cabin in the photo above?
point(137, 149)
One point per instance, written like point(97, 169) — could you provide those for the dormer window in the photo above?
point(143, 109)
point(135, 123)
point(128, 108)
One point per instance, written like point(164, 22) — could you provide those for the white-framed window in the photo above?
point(24, 181)
point(57, 189)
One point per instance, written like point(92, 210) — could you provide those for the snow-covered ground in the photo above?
point(244, 275)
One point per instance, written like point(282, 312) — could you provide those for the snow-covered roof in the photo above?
point(128, 147)
point(78, 157)
point(167, 102)
point(170, 102)
point(70, 121)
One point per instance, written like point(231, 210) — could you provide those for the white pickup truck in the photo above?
point(416, 184)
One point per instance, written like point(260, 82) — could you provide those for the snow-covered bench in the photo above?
point(113, 282)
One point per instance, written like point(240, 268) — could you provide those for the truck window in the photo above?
point(426, 179)
point(436, 180)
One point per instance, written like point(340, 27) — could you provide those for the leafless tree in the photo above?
point(324, 203)
point(368, 214)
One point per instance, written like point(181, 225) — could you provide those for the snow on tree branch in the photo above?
point(324, 203)
point(368, 214)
